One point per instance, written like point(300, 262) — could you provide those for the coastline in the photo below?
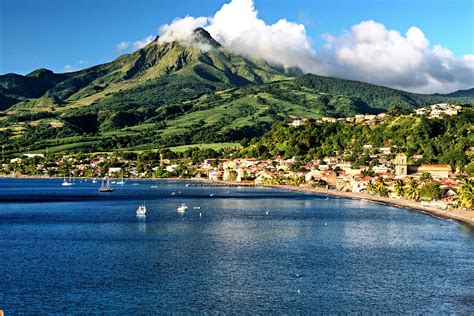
point(462, 216)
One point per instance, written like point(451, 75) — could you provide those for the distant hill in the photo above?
point(461, 94)
point(169, 94)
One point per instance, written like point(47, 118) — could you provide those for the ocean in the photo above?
point(235, 250)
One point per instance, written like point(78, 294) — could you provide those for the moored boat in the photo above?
point(106, 187)
point(141, 211)
point(182, 208)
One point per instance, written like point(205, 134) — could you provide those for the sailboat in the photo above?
point(141, 211)
point(67, 182)
point(106, 187)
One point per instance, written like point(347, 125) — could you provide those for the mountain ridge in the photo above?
point(173, 94)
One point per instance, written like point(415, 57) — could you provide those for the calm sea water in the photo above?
point(73, 250)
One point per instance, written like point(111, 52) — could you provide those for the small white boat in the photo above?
point(267, 212)
point(121, 182)
point(114, 182)
point(154, 186)
point(134, 183)
point(182, 208)
point(173, 193)
point(94, 180)
point(67, 182)
point(141, 211)
point(212, 194)
point(197, 207)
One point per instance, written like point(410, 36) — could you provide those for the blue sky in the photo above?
point(55, 34)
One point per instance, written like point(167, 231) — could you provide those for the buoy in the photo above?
point(298, 291)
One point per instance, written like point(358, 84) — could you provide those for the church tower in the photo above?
point(401, 166)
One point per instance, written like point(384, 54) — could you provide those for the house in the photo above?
point(329, 119)
point(297, 122)
point(312, 175)
point(385, 150)
point(113, 170)
point(380, 169)
point(215, 175)
point(436, 171)
point(33, 155)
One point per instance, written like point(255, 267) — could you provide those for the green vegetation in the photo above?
point(446, 140)
point(168, 95)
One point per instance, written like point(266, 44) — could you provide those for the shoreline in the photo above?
point(461, 216)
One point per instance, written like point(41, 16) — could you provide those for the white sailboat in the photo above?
point(141, 211)
point(106, 187)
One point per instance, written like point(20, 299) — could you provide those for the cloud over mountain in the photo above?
point(368, 52)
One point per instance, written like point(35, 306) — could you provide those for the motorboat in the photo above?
point(67, 181)
point(182, 208)
point(141, 211)
point(121, 182)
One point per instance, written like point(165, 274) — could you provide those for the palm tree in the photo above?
point(412, 192)
point(381, 186)
point(399, 187)
point(465, 195)
point(370, 187)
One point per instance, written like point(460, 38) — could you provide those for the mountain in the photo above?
point(462, 94)
point(169, 94)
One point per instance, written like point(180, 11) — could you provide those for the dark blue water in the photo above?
point(73, 250)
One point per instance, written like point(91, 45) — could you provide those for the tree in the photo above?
point(430, 191)
point(412, 192)
point(465, 195)
point(381, 187)
point(425, 176)
point(370, 188)
point(399, 188)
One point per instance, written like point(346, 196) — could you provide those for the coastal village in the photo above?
point(391, 172)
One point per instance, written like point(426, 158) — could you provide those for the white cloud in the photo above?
point(368, 51)
point(122, 45)
point(372, 53)
point(144, 42)
point(180, 30)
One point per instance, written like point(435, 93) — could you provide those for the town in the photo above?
point(380, 171)
point(391, 176)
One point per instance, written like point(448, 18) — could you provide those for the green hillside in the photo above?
point(166, 95)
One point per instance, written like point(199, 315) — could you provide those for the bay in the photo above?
point(75, 250)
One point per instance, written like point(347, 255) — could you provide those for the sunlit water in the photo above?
point(74, 250)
